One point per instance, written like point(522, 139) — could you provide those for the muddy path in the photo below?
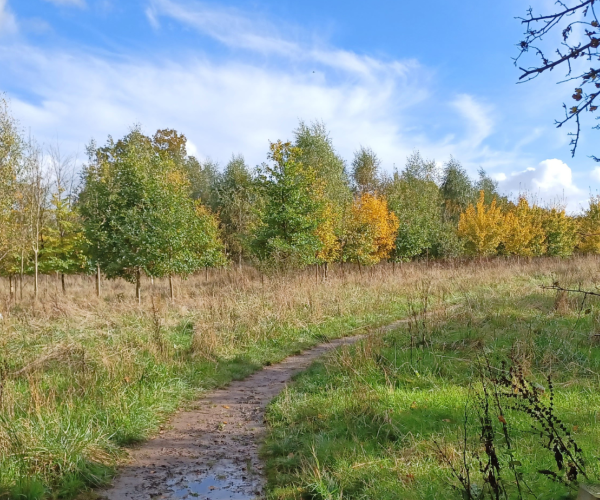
point(211, 451)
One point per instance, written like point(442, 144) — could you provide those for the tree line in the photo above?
point(142, 206)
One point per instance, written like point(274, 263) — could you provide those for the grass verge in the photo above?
point(404, 416)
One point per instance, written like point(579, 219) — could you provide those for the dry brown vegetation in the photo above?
point(82, 376)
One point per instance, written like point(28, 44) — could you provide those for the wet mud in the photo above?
point(211, 451)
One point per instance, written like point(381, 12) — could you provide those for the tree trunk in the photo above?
point(317, 274)
point(326, 269)
point(138, 286)
point(172, 295)
point(359, 267)
point(206, 273)
point(98, 280)
point(62, 282)
point(10, 287)
point(21, 280)
point(35, 283)
point(240, 261)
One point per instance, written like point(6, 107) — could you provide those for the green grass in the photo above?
point(108, 376)
point(384, 420)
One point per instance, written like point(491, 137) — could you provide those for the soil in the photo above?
point(211, 451)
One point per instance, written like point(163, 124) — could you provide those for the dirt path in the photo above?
point(211, 452)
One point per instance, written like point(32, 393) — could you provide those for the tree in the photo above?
point(365, 170)
point(64, 244)
point(317, 151)
point(561, 232)
point(590, 227)
point(292, 211)
point(481, 226)
point(371, 230)
point(577, 24)
point(138, 215)
point(489, 187)
point(11, 155)
point(34, 191)
point(237, 200)
point(523, 233)
point(415, 199)
point(456, 190)
point(203, 180)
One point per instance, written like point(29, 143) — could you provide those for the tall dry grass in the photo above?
point(81, 375)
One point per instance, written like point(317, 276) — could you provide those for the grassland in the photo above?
point(402, 416)
point(83, 377)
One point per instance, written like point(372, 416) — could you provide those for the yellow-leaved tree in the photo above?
point(589, 227)
point(370, 230)
point(523, 233)
point(481, 227)
point(327, 233)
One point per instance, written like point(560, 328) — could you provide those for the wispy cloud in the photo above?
point(272, 78)
point(68, 3)
point(8, 22)
point(253, 33)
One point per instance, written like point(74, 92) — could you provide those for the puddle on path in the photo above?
point(210, 488)
point(211, 451)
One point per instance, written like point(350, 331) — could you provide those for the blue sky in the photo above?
point(233, 74)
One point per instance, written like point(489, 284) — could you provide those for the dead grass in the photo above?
point(84, 375)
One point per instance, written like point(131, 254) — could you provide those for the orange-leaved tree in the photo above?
point(370, 230)
point(481, 227)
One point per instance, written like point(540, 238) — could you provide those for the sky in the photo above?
point(232, 75)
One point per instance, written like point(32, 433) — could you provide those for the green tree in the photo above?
point(204, 177)
point(489, 187)
point(316, 150)
point(11, 155)
point(414, 197)
point(365, 171)
point(237, 200)
point(138, 215)
point(456, 190)
point(292, 213)
point(63, 249)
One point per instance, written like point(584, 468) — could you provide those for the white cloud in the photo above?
point(237, 104)
point(68, 3)
point(8, 22)
point(236, 30)
point(478, 118)
point(223, 108)
point(551, 182)
point(595, 174)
